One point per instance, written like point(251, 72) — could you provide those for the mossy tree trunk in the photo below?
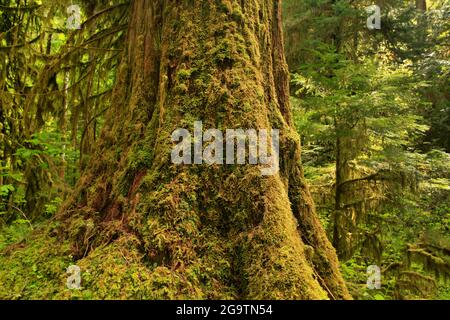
point(202, 231)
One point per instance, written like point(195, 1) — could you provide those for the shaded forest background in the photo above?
point(371, 106)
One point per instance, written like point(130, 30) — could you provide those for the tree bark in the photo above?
point(421, 5)
point(220, 231)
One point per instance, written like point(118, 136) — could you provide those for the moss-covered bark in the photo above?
point(142, 227)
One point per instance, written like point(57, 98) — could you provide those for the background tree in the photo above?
point(362, 103)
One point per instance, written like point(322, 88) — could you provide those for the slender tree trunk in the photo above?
point(337, 197)
point(203, 231)
point(345, 216)
point(421, 5)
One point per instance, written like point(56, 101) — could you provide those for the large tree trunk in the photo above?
point(201, 231)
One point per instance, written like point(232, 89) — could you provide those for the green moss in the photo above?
point(185, 74)
point(223, 6)
point(32, 269)
point(237, 14)
point(141, 157)
point(182, 88)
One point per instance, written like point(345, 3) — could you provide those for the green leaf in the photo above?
point(379, 297)
point(6, 189)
